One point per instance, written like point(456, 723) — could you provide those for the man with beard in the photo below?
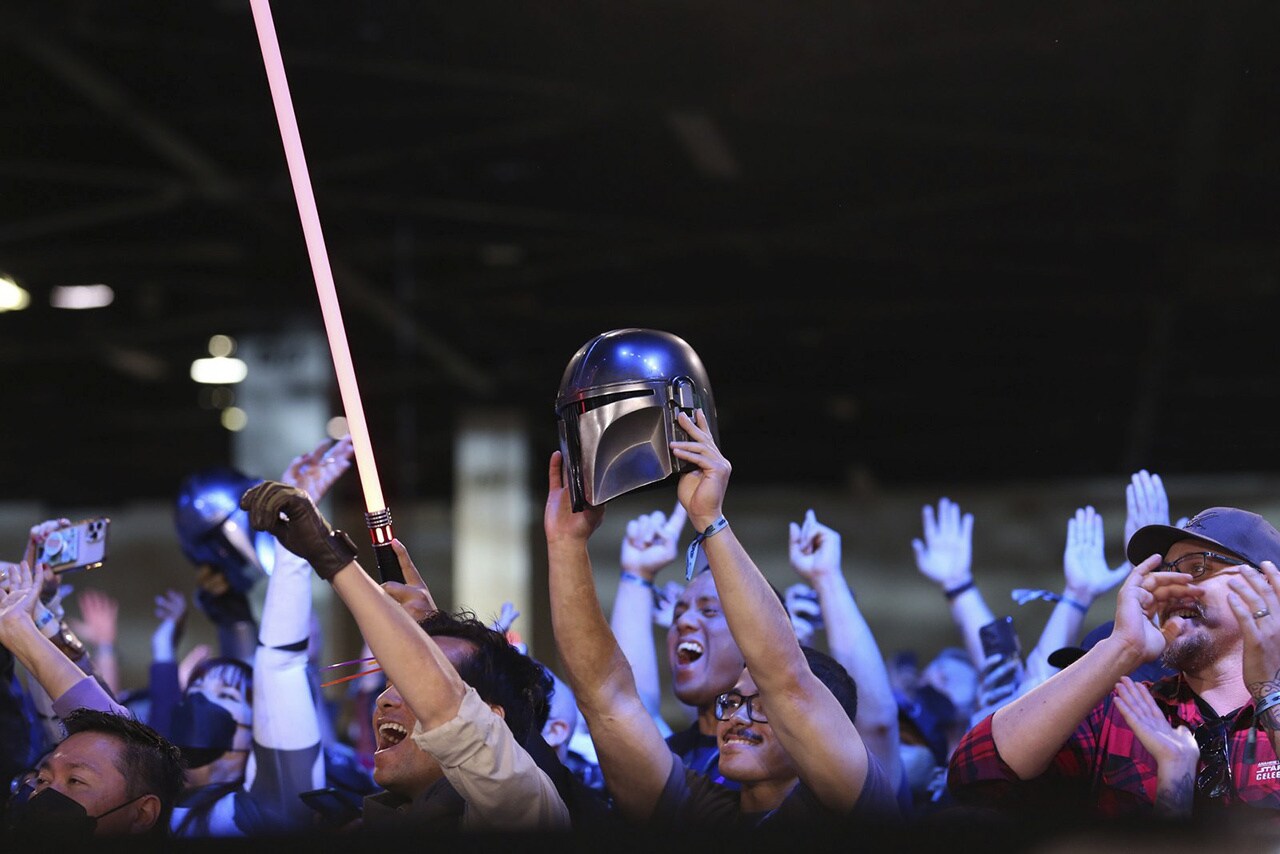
point(1204, 598)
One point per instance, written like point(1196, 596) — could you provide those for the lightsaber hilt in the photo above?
point(379, 522)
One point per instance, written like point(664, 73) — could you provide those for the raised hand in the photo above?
point(1146, 503)
point(701, 490)
point(1084, 559)
point(945, 554)
point(507, 616)
point(413, 594)
point(559, 522)
point(98, 614)
point(814, 549)
point(171, 607)
point(652, 542)
point(290, 515)
point(171, 611)
point(36, 538)
point(18, 596)
point(318, 469)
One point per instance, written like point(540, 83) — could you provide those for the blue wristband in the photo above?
point(635, 579)
point(1079, 606)
point(691, 558)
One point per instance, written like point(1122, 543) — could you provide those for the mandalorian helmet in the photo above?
point(617, 409)
point(213, 530)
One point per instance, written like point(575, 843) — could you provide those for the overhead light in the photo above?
point(219, 370)
point(12, 296)
point(82, 296)
point(220, 367)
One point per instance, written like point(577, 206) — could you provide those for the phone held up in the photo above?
point(1000, 638)
point(79, 546)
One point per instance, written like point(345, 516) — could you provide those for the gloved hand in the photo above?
point(288, 513)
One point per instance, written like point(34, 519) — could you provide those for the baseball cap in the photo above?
point(1237, 531)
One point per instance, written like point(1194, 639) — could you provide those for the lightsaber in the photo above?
point(377, 516)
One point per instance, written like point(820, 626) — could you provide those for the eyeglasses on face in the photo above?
point(727, 706)
point(1197, 564)
point(1214, 780)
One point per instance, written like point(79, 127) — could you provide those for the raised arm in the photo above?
point(825, 746)
point(650, 543)
point(97, 625)
point(815, 552)
point(945, 557)
point(632, 753)
point(20, 633)
point(286, 716)
point(1086, 577)
point(412, 660)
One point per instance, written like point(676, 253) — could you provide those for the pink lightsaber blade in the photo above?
point(377, 516)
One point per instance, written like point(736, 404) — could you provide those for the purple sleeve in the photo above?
point(164, 693)
point(87, 694)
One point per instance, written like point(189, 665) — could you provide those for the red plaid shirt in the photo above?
point(1103, 769)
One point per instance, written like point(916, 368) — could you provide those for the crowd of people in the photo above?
point(792, 718)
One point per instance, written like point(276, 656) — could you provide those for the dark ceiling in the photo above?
point(913, 242)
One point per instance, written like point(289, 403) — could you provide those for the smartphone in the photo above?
point(79, 546)
point(1000, 638)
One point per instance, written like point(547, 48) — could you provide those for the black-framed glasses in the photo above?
point(1197, 564)
point(727, 706)
point(1214, 780)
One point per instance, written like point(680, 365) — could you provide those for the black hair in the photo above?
point(231, 670)
point(149, 762)
point(500, 673)
point(838, 681)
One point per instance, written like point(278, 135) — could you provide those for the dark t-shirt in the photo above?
point(699, 753)
point(690, 799)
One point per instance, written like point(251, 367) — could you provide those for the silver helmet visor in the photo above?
point(615, 448)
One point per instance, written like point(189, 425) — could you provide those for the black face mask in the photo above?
point(51, 814)
point(202, 729)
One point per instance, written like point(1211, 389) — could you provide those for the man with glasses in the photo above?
point(785, 729)
point(1204, 599)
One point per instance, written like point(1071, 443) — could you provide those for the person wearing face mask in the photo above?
point(249, 735)
point(111, 776)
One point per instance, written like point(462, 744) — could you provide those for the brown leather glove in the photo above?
point(288, 513)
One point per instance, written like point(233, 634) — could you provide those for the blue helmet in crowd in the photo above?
point(617, 408)
point(214, 531)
